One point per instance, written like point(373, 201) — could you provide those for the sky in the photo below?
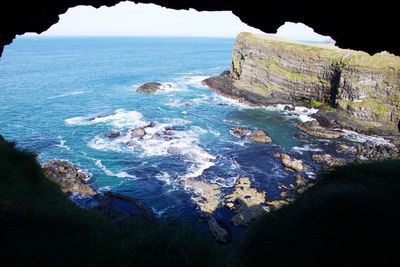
point(129, 19)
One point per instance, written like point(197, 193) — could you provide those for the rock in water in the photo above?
point(293, 164)
point(219, 233)
point(208, 199)
point(247, 202)
point(113, 134)
point(149, 88)
point(240, 132)
point(68, 177)
point(138, 132)
point(300, 182)
point(313, 128)
point(260, 136)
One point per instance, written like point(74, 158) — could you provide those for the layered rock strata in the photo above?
point(352, 89)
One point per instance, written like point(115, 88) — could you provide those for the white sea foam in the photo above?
point(67, 94)
point(62, 143)
point(164, 177)
point(194, 80)
point(362, 138)
point(120, 119)
point(311, 148)
point(121, 174)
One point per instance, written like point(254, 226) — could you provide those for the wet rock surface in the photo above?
point(246, 201)
point(68, 177)
point(260, 136)
point(291, 164)
point(328, 160)
point(313, 128)
point(113, 134)
point(207, 195)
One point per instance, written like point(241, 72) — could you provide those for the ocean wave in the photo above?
point(67, 94)
point(158, 213)
point(120, 119)
point(362, 138)
point(121, 174)
point(196, 80)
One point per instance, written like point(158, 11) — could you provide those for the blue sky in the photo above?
point(129, 19)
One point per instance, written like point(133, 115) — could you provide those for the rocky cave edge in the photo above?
point(351, 24)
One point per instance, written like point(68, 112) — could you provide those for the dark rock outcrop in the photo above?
point(353, 89)
point(68, 177)
point(149, 88)
point(113, 134)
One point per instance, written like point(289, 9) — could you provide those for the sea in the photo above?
point(61, 96)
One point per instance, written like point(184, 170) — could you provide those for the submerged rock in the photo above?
point(247, 202)
point(313, 128)
point(149, 88)
point(208, 195)
point(328, 160)
point(260, 136)
point(218, 232)
point(68, 177)
point(292, 164)
point(113, 134)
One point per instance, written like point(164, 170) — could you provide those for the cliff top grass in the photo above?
point(328, 50)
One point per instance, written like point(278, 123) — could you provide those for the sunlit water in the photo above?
point(60, 96)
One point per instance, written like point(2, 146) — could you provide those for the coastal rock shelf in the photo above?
point(353, 89)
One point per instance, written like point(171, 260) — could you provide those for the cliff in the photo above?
point(353, 89)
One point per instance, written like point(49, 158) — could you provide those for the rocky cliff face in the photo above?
point(354, 90)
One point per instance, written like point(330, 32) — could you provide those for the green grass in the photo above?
point(350, 217)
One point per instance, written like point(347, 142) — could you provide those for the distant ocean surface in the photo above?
point(61, 96)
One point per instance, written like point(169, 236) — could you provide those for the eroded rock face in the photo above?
point(69, 178)
point(358, 91)
point(247, 202)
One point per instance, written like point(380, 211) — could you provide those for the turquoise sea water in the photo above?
point(60, 96)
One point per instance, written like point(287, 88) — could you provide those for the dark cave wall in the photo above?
point(357, 26)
